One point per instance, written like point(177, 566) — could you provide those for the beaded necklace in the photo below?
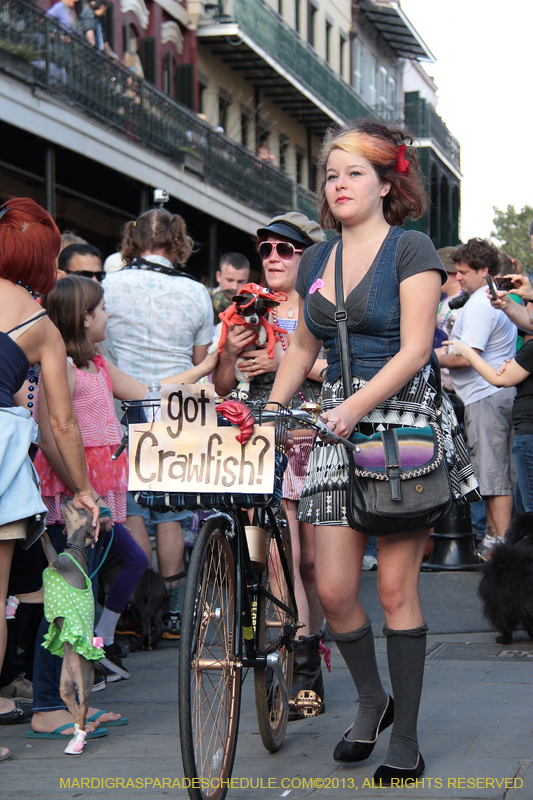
point(31, 377)
point(33, 294)
point(284, 345)
point(441, 325)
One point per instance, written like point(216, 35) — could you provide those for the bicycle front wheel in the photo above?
point(210, 669)
point(272, 717)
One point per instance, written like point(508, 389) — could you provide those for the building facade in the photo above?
point(226, 111)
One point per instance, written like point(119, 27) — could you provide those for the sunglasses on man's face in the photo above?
point(285, 250)
point(86, 273)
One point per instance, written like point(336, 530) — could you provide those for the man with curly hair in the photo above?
point(488, 420)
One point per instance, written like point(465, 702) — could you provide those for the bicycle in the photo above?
point(239, 613)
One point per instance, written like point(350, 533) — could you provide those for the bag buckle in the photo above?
point(393, 473)
point(340, 316)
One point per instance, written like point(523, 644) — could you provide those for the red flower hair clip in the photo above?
point(402, 165)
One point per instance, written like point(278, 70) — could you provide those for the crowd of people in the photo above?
point(76, 337)
point(88, 24)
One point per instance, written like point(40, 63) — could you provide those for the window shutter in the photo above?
point(108, 24)
point(147, 56)
point(185, 84)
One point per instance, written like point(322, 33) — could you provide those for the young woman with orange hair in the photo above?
point(391, 280)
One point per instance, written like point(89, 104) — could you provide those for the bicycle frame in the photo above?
point(246, 631)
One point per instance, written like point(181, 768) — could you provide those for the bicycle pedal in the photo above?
point(307, 703)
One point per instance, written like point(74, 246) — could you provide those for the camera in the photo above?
point(160, 197)
point(504, 284)
point(458, 302)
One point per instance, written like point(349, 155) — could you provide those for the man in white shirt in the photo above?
point(160, 323)
point(488, 421)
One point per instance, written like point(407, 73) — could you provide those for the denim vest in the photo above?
point(375, 339)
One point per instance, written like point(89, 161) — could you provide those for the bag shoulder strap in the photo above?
point(341, 318)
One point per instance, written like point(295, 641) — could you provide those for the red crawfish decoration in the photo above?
point(250, 307)
point(238, 414)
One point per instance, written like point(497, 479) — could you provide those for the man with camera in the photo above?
point(488, 422)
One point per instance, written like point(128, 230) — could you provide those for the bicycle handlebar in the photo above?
point(309, 420)
point(261, 415)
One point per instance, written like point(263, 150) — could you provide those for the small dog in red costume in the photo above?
point(251, 306)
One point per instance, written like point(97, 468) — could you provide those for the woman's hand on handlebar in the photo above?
point(340, 420)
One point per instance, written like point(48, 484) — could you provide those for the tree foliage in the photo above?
point(511, 232)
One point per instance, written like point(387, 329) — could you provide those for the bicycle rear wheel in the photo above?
point(210, 670)
point(272, 718)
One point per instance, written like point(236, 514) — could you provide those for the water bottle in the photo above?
point(153, 409)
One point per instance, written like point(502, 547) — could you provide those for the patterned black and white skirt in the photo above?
point(323, 500)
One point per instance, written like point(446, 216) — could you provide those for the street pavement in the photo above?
point(475, 726)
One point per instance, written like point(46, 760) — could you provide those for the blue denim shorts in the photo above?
point(149, 515)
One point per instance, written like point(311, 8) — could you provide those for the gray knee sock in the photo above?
point(357, 649)
point(406, 653)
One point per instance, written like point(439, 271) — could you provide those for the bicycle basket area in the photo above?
point(140, 411)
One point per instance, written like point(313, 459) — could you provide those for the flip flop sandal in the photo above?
point(6, 756)
point(110, 723)
point(56, 734)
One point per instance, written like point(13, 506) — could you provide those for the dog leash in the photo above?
point(104, 512)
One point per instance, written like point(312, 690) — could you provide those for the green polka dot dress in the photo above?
point(76, 606)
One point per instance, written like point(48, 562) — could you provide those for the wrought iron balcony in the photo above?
point(306, 202)
point(421, 119)
point(65, 66)
point(254, 39)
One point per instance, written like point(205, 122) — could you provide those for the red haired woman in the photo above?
point(391, 282)
point(29, 245)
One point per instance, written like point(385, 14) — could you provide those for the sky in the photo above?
point(483, 51)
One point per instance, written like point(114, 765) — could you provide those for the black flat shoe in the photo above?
point(384, 775)
point(21, 713)
point(349, 752)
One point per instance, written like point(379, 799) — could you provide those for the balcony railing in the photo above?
point(421, 119)
point(306, 202)
point(66, 67)
point(272, 33)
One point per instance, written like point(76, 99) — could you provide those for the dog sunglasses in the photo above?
point(285, 250)
point(86, 273)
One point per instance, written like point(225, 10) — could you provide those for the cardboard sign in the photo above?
point(185, 407)
point(199, 458)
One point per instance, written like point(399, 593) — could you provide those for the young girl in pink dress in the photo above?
point(76, 306)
